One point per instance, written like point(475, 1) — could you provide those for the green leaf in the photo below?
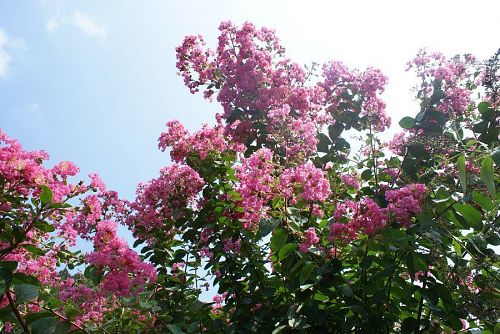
point(471, 215)
point(367, 174)
point(496, 156)
point(45, 195)
point(278, 329)
point(457, 247)
point(483, 107)
point(323, 143)
point(63, 327)
point(278, 239)
point(34, 250)
point(46, 325)
point(462, 174)
point(483, 201)
point(44, 226)
point(174, 329)
point(407, 122)
point(11, 265)
point(487, 175)
point(286, 250)
point(25, 292)
point(347, 291)
point(5, 280)
point(409, 325)
point(306, 272)
point(266, 226)
point(21, 278)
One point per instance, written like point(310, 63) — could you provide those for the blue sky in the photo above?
point(95, 81)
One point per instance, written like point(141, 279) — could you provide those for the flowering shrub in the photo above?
point(269, 215)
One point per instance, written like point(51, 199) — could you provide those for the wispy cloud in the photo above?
point(4, 56)
point(6, 44)
point(89, 25)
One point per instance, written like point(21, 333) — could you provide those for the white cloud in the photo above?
point(8, 44)
point(89, 25)
point(84, 22)
point(4, 56)
point(52, 24)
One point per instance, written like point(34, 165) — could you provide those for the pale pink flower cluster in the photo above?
point(251, 76)
point(202, 142)
point(352, 91)
point(406, 202)
point(177, 266)
point(44, 268)
point(309, 239)
point(304, 182)
point(124, 271)
point(92, 304)
point(218, 303)
point(164, 198)
point(24, 172)
point(350, 181)
point(231, 246)
point(366, 217)
point(452, 73)
point(295, 136)
point(193, 63)
point(256, 176)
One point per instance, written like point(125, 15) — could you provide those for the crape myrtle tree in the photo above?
point(291, 208)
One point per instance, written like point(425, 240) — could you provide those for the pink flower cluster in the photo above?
point(363, 217)
point(452, 73)
point(164, 198)
point(296, 136)
point(350, 181)
point(366, 216)
point(251, 76)
point(208, 139)
point(193, 63)
point(24, 172)
point(218, 301)
point(406, 202)
point(352, 91)
point(256, 176)
point(309, 239)
point(124, 272)
point(304, 182)
point(232, 246)
point(92, 304)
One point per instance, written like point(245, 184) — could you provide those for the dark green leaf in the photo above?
point(5, 280)
point(33, 249)
point(407, 122)
point(46, 325)
point(286, 250)
point(21, 278)
point(44, 226)
point(482, 200)
point(471, 215)
point(483, 107)
point(462, 172)
point(46, 195)
point(324, 143)
point(409, 325)
point(174, 329)
point(487, 175)
point(306, 272)
point(25, 292)
point(278, 239)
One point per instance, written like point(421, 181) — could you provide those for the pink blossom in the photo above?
point(309, 239)
point(406, 202)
